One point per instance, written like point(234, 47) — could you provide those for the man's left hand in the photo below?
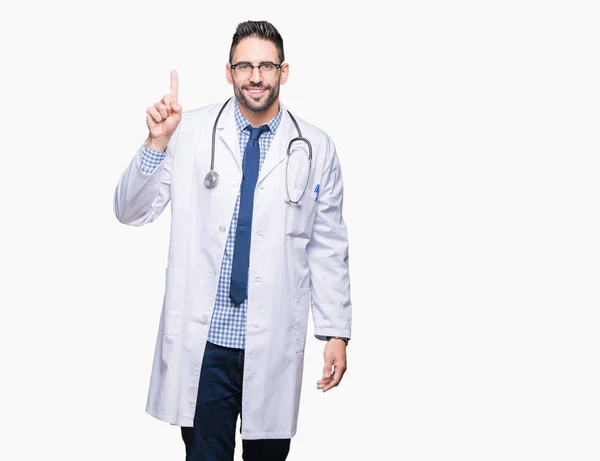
point(335, 358)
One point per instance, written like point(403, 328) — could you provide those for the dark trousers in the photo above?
point(219, 403)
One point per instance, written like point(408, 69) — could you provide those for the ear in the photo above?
point(228, 73)
point(285, 71)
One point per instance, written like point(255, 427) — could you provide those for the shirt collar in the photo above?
point(242, 122)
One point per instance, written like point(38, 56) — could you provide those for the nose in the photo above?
point(256, 77)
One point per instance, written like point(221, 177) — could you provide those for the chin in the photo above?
point(260, 105)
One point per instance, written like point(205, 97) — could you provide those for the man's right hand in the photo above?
point(163, 117)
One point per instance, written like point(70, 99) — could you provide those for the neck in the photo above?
point(258, 118)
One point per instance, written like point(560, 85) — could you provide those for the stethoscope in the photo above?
point(212, 177)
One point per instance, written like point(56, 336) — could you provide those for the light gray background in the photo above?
point(468, 136)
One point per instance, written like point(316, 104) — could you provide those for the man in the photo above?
point(249, 249)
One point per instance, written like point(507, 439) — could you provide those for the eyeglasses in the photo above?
point(245, 69)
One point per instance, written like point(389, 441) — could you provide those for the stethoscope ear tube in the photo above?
point(287, 164)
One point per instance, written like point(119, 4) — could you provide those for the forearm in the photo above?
point(328, 259)
point(143, 190)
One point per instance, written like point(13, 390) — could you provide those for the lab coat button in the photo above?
point(233, 183)
point(204, 318)
point(222, 228)
point(258, 280)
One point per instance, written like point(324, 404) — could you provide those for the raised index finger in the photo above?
point(174, 84)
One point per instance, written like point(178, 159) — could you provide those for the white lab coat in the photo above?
point(298, 253)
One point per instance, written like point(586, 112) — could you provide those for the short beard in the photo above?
point(250, 105)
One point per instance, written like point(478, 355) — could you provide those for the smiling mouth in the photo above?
point(257, 92)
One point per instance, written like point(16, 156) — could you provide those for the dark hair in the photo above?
point(258, 29)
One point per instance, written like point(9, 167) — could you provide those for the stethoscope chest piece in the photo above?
point(211, 179)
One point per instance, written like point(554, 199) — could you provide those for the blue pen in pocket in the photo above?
point(317, 192)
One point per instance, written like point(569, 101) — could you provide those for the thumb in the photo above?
point(176, 107)
point(327, 368)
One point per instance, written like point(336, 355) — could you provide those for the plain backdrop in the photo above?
point(468, 137)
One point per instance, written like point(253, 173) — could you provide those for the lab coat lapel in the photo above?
point(278, 150)
point(227, 131)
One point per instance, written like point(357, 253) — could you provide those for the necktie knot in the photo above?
point(256, 132)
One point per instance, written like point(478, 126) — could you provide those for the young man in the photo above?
point(256, 233)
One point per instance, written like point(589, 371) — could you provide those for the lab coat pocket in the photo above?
point(173, 301)
point(300, 216)
point(301, 308)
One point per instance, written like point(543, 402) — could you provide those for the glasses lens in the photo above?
point(245, 70)
point(268, 70)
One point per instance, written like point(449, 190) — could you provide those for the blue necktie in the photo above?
point(238, 290)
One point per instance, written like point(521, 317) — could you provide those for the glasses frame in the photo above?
point(277, 66)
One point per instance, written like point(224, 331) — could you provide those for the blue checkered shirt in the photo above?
point(228, 324)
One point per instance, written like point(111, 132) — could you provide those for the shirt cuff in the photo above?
point(151, 159)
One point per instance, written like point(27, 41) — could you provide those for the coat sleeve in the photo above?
point(328, 256)
point(141, 197)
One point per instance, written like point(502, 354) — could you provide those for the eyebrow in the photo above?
point(248, 62)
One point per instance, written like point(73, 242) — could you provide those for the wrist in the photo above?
point(158, 145)
point(345, 340)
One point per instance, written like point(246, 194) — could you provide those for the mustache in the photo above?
point(259, 85)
